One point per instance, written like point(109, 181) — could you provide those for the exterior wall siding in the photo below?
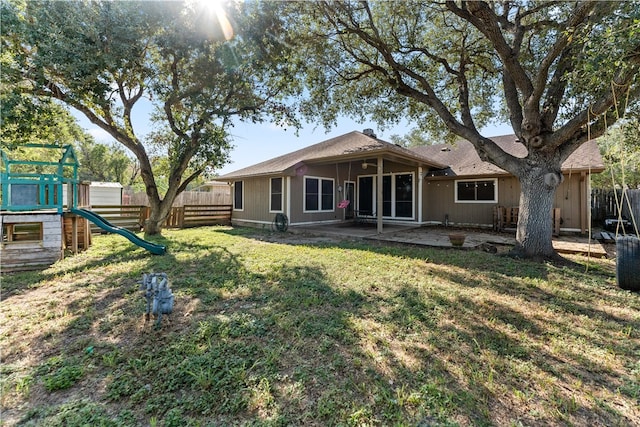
point(297, 190)
point(257, 193)
point(573, 200)
point(256, 202)
point(439, 200)
point(438, 197)
point(439, 205)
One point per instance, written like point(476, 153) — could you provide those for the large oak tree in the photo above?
point(196, 64)
point(557, 71)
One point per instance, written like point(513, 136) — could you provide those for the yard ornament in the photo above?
point(158, 295)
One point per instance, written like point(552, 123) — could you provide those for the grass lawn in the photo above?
point(273, 329)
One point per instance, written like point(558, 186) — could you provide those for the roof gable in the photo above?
point(351, 145)
point(460, 158)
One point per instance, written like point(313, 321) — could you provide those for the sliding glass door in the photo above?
point(397, 195)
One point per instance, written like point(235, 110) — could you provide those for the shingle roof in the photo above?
point(460, 158)
point(464, 160)
point(350, 145)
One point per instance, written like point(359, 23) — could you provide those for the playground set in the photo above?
point(37, 223)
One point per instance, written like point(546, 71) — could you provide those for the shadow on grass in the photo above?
point(117, 251)
point(286, 342)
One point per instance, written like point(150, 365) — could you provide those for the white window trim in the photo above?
point(495, 190)
point(234, 196)
point(304, 194)
point(394, 200)
point(393, 194)
point(271, 210)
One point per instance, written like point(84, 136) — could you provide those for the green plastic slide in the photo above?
point(107, 226)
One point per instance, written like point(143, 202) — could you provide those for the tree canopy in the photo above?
point(196, 66)
point(620, 148)
point(26, 119)
point(556, 71)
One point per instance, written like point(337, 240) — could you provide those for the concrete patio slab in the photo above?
point(436, 236)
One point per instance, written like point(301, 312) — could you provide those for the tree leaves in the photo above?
point(107, 58)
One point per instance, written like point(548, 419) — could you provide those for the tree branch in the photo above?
point(576, 130)
point(480, 15)
point(581, 13)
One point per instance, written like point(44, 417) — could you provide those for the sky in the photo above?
point(257, 142)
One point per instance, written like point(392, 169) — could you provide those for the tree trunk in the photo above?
point(535, 221)
point(159, 211)
point(152, 227)
point(157, 215)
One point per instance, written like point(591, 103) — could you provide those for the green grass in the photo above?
point(267, 331)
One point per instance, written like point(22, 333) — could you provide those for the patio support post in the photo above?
point(287, 198)
point(379, 194)
point(585, 202)
point(420, 181)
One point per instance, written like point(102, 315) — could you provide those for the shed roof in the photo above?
point(104, 184)
point(464, 160)
point(350, 146)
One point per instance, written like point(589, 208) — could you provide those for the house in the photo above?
point(357, 175)
point(470, 188)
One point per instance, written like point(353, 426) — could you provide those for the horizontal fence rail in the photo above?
point(132, 217)
point(218, 197)
point(197, 215)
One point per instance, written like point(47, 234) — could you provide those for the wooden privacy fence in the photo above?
point(603, 205)
point(185, 198)
point(132, 217)
point(197, 215)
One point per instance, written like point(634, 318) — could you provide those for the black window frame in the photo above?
point(472, 190)
point(238, 186)
point(273, 196)
point(319, 199)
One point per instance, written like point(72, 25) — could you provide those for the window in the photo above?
point(477, 191)
point(365, 195)
point(22, 232)
point(276, 195)
point(238, 196)
point(318, 194)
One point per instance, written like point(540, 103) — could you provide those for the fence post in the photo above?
point(144, 214)
point(180, 216)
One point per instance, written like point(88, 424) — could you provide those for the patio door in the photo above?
point(397, 195)
point(350, 195)
point(366, 191)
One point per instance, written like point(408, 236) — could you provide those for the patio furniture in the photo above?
point(507, 217)
point(364, 216)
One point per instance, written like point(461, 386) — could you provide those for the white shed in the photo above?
point(105, 193)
